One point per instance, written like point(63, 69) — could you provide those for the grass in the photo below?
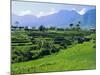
point(78, 57)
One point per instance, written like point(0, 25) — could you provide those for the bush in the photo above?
point(35, 54)
point(21, 53)
point(45, 52)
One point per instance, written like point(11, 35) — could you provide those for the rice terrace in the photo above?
point(50, 37)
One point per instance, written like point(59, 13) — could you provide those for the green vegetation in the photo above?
point(78, 57)
point(52, 49)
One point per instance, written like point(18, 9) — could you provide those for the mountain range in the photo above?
point(60, 19)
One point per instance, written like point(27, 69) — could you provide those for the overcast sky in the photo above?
point(43, 9)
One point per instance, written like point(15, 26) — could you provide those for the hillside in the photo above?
point(77, 57)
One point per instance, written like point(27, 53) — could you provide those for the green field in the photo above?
point(48, 50)
point(75, 57)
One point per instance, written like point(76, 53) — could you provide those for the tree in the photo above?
point(71, 25)
point(52, 28)
point(33, 28)
point(41, 28)
point(16, 23)
point(78, 25)
point(21, 27)
point(26, 28)
point(60, 29)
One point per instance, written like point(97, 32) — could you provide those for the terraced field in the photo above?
point(76, 57)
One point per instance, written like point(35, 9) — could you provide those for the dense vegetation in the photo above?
point(52, 47)
point(77, 57)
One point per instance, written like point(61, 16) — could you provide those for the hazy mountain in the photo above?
point(89, 18)
point(26, 20)
point(60, 19)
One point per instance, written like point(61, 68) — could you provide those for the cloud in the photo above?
point(81, 12)
point(26, 12)
point(38, 14)
point(43, 13)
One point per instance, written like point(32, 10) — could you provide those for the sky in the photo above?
point(44, 9)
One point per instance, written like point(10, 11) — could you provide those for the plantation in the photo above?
point(77, 57)
point(52, 49)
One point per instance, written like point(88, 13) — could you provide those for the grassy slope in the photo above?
point(80, 56)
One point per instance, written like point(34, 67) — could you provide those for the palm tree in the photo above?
point(16, 23)
point(78, 25)
point(41, 28)
point(71, 25)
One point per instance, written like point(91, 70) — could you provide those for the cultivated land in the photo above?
point(50, 50)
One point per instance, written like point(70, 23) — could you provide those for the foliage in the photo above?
point(35, 44)
point(56, 47)
point(41, 28)
point(80, 56)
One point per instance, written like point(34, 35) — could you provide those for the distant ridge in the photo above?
point(60, 19)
